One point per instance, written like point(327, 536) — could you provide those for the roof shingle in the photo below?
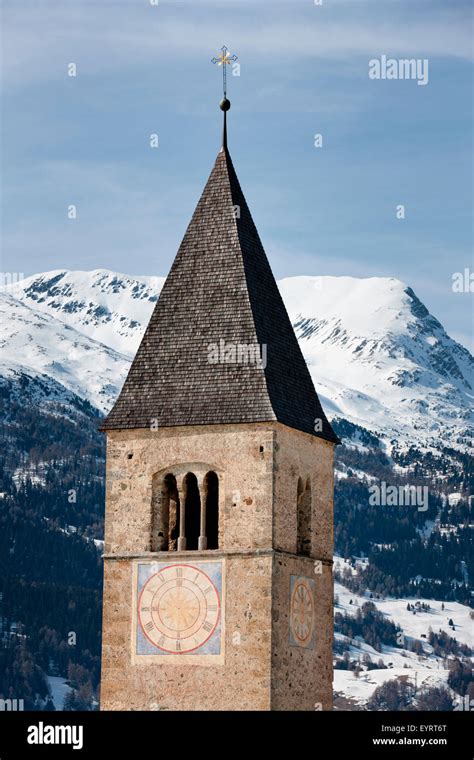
point(220, 290)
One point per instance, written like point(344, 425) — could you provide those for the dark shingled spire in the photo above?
point(220, 288)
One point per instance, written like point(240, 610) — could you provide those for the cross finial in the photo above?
point(224, 60)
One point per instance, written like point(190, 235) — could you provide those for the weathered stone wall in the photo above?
point(242, 683)
point(301, 677)
point(300, 455)
point(258, 467)
point(245, 480)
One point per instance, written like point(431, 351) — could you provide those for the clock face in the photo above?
point(302, 611)
point(178, 609)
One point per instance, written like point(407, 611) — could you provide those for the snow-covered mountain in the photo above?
point(377, 356)
point(54, 359)
point(381, 360)
point(108, 307)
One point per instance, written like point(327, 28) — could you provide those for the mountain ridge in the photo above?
point(377, 356)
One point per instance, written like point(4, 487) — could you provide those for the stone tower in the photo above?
point(218, 589)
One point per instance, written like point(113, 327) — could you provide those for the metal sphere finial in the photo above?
point(224, 105)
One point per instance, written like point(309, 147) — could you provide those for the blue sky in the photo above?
point(145, 69)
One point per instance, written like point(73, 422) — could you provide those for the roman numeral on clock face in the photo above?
point(178, 646)
point(145, 609)
point(212, 607)
point(149, 626)
point(179, 572)
point(207, 626)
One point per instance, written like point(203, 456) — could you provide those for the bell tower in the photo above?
point(218, 589)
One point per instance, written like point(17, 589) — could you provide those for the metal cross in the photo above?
point(224, 60)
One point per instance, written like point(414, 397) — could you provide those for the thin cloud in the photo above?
point(106, 38)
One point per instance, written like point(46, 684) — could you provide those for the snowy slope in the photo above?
point(377, 357)
point(381, 358)
point(359, 690)
point(41, 347)
point(110, 308)
point(59, 690)
point(427, 670)
point(413, 626)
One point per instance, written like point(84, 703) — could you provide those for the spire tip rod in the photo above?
point(224, 60)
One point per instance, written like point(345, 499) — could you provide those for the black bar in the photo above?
point(309, 734)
